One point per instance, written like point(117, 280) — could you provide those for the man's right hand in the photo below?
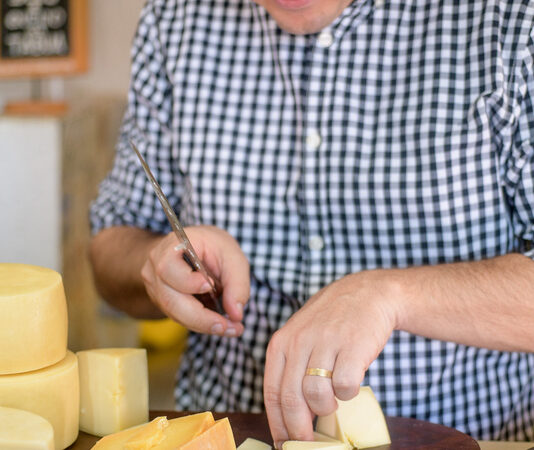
point(170, 282)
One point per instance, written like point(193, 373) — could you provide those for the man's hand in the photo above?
point(170, 282)
point(342, 328)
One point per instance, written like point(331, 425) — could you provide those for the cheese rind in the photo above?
point(254, 444)
point(359, 422)
point(113, 389)
point(22, 430)
point(116, 441)
point(52, 393)
point(33, 318)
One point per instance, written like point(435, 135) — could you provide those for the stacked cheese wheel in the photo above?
point(37, 372)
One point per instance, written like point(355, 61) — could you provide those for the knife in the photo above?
point(211, 299)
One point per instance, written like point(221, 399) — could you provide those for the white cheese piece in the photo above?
point(33, 318)
point(323, 438)
point(113, 389)
point(311, 445)
point(254, 444)
point(52, 393)
point(359, 422)
point(22, 430)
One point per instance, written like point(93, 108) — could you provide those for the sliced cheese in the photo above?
point(160, 434)
point(217, 437)
point(113, 389)
point(185, 429)
point(311, 445)
point(359, 422)
point(52, 393)
point(323, 437)
point(152, 431)
point(22, 430)
point(254, 444)
point(33, 318)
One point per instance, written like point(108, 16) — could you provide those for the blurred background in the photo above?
point(58, 125)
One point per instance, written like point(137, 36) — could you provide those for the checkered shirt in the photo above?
point(401, 135)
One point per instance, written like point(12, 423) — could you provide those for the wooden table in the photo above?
point(405, 433)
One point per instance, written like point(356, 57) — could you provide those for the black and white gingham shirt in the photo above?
point(401, 135)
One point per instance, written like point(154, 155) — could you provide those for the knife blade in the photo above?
point(211, 299)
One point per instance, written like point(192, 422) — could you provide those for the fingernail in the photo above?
point(239, 307)
point(206, 287)
point(230, 331)
point(217, 328)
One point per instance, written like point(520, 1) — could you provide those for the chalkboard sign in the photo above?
point(43, 37)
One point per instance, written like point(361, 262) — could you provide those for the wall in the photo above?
point(111, 27)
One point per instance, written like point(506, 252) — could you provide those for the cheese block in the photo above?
point(33, 318)
point(359, 422)
point(113, 389)
point(311, 445)
point(22, 430)
point(217, 437)
point(160, 434)
point(52, 393)
point(254, 444)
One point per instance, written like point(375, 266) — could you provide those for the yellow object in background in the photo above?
point(162, 335)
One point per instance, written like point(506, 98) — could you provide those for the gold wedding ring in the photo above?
point(316, 372)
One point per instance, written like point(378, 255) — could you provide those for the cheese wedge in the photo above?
point(52, 393)
point(160, 434)
point(254, 444)
point(319, 437)
point(113, 389)
point(22, 430)
point(311, 445)
point(33, 318)
point(358, 422)
point(217, 437)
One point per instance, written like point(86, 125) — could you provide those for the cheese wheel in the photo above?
point(22, 430)
point(33, 318)
point(52, 393)
point(113, 389)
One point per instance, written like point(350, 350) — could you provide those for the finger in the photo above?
point(347, 375)
point(235, 279)
point(274, 370)
point(318, 390)
point(295, 411)
point(178, 274)
point(188, 311)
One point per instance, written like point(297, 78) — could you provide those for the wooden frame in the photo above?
point(75, 62)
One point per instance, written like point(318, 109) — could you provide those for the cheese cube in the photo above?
point(52, 393)
point(33, 318)
point(358, 422)
point(113, 389)
point(22, 430)
point(254, 444)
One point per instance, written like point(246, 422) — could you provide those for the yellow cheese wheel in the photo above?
point(52, 393)
point(23, 430)
point(33, 318)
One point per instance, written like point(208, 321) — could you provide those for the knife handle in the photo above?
point(212, 299)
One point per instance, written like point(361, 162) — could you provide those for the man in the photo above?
point(370, 165)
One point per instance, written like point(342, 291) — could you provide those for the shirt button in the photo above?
point(316, 243)
point(325, 39)
point(313, 140)
point(379, 3)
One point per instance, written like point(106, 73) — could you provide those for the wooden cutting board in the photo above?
point(406, 434)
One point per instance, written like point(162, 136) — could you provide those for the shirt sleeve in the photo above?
point(519, 176)
point(125, 196)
